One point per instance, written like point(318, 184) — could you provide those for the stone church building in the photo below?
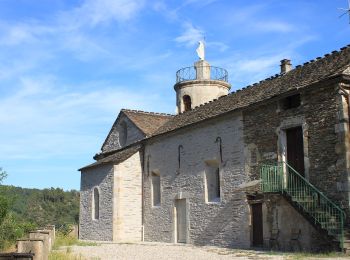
point(265, 166)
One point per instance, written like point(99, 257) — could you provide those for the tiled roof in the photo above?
point(310, 72)
point(147, 122)
point(116, 157)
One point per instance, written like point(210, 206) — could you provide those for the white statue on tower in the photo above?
point(200, 50)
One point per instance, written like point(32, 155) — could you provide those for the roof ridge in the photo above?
point(299, 66)
point(316, 69)
point(145, 112)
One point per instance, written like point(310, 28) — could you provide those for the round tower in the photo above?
point(199, 84)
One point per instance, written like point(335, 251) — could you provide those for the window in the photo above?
point(212, 178)
point(123, 133)
point(155, 189)
point(96, 204)
point(187, 102)
point(290, 102)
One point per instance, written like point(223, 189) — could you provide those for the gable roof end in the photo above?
point(147, 122)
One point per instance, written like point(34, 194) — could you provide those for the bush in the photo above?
point(12, 229)
point(3, 208)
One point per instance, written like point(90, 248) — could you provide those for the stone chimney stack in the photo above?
point(285, 66)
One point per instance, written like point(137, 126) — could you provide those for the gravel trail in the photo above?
point(163, 251)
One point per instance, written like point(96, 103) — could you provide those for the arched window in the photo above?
point(187, 102)
point(96, 204)
point(123, 134)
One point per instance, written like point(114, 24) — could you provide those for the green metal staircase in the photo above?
point(312, 203)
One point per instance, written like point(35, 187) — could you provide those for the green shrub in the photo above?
point(12, 229)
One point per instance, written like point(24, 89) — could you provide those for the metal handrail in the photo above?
point(322, 210)
point(312, 186)
point(190, 73)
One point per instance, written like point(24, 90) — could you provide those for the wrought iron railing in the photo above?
point(190, 73)
point(271, 178)
point(325, 213)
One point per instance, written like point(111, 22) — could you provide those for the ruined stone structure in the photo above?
point(265, 166)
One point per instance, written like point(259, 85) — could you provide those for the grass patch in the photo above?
point(66, 240)
point(62, 240)
point(307, 255)
point(58, 255)
point(85, 243)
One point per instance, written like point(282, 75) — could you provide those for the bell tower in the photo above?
point(199, 84)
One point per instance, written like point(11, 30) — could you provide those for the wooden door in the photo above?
point(257, 223)
point(295, 149)
point(181, 220)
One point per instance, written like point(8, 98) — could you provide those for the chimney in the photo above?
point(285, 66)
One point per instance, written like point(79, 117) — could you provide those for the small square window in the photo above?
point(291, 102)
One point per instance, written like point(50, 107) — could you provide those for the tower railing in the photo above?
point(190, 73)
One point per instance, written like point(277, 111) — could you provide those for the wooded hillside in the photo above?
point(41, 207)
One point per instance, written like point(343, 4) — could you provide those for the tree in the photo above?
point(3, 201)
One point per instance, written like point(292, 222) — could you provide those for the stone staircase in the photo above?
point(318, 209)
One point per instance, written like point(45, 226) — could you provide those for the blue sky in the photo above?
point(68, 66)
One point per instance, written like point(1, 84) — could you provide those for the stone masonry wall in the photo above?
point(318, 115)
point(134, 134)
point(127, 221)
point(295, 233)
point(99, 229)
point(224, 223)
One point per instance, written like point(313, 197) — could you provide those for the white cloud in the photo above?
point(217, 45)
point(95, 12)
point(252, 19)
point(201, 3)
point(45, 119)
point(273, 26)
point(71, 30)
point(191, 35)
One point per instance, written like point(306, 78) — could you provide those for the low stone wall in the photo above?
point(37, 246)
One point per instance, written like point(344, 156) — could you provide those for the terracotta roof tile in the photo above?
point(147, 122)
point(115, 157)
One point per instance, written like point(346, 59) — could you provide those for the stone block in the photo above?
point(45, 235)
point(53, 233)
point(35, 246)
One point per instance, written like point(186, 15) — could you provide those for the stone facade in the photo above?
point(224, 223)
point(120, 201)
point(233, 136)
point(318, 115)
point(127, 204)
point(131, 134)
point(101, 178)
point(294, 232)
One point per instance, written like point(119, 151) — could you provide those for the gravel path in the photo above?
point(163, 251)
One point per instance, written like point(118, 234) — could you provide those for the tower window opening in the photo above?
point(187, 102)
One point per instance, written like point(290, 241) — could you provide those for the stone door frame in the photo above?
point(287, 123)
point(179, 196)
